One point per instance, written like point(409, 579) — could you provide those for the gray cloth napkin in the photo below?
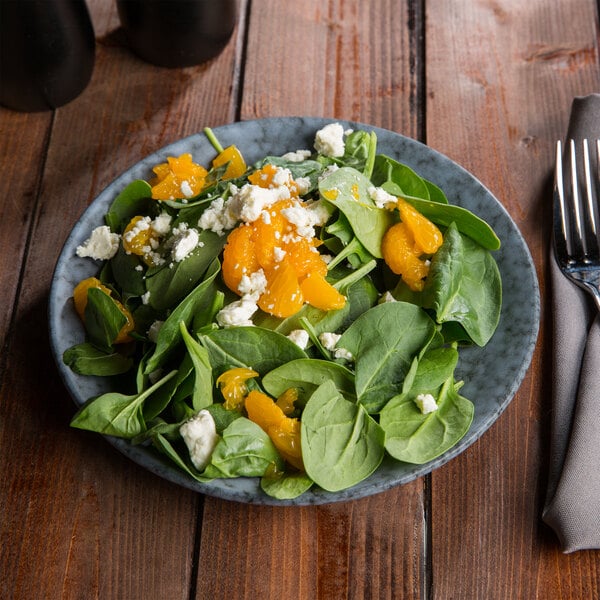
point(572, 506)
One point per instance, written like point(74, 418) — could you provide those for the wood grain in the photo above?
point(77, 506)
point(508, 105)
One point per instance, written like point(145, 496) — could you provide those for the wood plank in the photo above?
point(80, 520)
point(343, 67)
point(498, 112)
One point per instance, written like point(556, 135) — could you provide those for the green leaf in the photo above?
point(341, 443)
point(253, 347)
point(103, 318)
point(388, 170)
point(417, 438)
point(286, 486)
point(245, 450)
point(306, 375)
point(171, 282)
point(86, 359)
point(203, 384)
point(384, 341)
point(134, 200)
point(464, 285)
point(348, 190)
point(116, 414)
point(169, 336)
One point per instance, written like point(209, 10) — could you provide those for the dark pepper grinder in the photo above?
point(47, 51)
point(177, 33)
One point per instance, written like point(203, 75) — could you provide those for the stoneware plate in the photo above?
point(492, 375)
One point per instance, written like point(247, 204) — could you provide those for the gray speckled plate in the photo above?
point(492, 375)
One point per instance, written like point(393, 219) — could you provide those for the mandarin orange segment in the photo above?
point(179, 177)
point(426, 234)
point(80, 298)
point(239, 257)
point(233, 386)
point(237, 165)
point(286, 401)
point(401, 256)
point(265, 178)
point(283, 297)
point(268, 231)
point(305, 257)
point(283, 431)
point(318, 292)
point(136, 240)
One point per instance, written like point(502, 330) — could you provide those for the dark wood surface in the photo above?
point(487, 82)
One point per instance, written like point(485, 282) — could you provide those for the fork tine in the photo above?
point(577, 247)
point(591, 235)
point(560, 209)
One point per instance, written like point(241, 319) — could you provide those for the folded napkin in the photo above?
point(572, 506)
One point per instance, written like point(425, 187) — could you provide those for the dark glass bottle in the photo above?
point(177, 33)
point(47, 50)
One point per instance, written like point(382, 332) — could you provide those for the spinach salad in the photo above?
point(294, 320)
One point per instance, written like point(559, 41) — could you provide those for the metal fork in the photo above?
point(576, 217)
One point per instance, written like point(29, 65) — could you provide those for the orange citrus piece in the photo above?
point(233, 386)
point(318, 292)
point(283, 297)
point(179, 177)
point(237, 165)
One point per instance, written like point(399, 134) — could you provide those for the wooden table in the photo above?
point(487, 82)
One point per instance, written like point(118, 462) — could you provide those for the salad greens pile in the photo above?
point(386, 386)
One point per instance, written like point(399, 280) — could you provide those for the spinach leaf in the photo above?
point(348, 190)
point(387, 170)
point(171, 282)
point(446, 214)
point(341, 443)
point(116, 414)
point(245, 450)
point(169, 335)
point(417, 438)
point(127, 273)
point(86, 359)
point(103, 318)
point(464, 285)
point(254, 347)
point(286, 486)
point(134, 200)
point(203, 382)
point(434, 368)
point(166, 448)
point(384, 340)
point(306, 375)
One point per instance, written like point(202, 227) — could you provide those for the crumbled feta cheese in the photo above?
point(101, 245)
point(328, 171)
point(186, 189)
point(329, 141)
point(266, 217)
point(329, 340)
point(154, 330)
point(161, 224)
point(200, 436)
point(249, 202)
point(278, 253)
point(146, 297)
point(282, 176)
point(426, 403)
point(387, 297)
point(140, 225)
point(303, 184)
point(300, 337)
point(381, 198)
point(343, 354)
point(238, 313)
point(183, 243)
point(298, 156)
point(217, 217)
point(253, 285)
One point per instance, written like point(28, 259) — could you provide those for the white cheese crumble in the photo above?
point(161, 224)
point(146, 297)
point(329, 141)
point(381, 198)
point(300, 337)
point(200, 436)
point(303, 184)
point(278, 253)
point(297, 156)
point(305, 217)
point(101, 245)
point(387, 297)
point(217, 217)
point(183, 243)
point(253, 286)
point(186, 189)
point(426, 403)
point(154, 330)
point(238, 313)
point(249, 202)
point(329, 340)
point(328, 171)
point(343, 354)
